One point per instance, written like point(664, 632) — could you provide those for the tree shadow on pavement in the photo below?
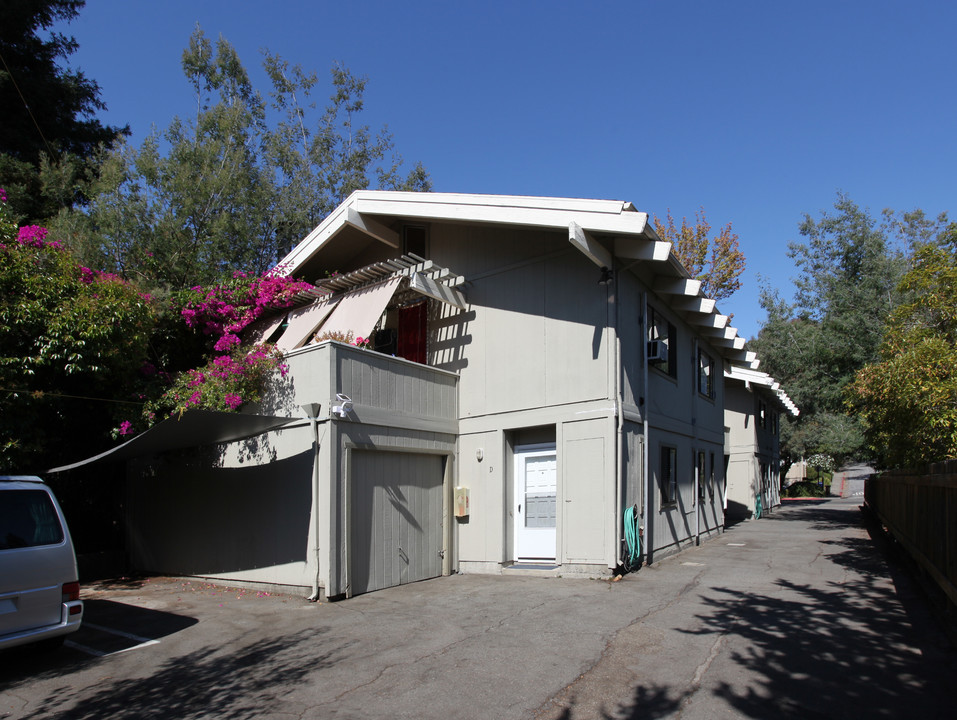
point(864, 646)
point(210, 682)
point(824, 515)
point(647, 701)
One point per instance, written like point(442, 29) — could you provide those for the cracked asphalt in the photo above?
point(800, 614)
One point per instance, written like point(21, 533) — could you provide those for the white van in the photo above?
point(39, 591)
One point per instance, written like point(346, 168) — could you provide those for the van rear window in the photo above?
point(28, 519)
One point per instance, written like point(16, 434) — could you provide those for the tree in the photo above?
point(83, 351)
point(71, 344)
point(236, 186)
point(908, 398)
point(48, 128)
point(849, 272)
point(717, 261)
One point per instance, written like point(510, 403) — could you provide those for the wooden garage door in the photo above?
point(396, 519)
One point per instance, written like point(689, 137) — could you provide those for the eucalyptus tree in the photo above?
point(236, 185)
point(849, 271)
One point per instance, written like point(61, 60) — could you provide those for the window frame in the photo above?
point(661, 329)
point(706, 374)
point(668, 481)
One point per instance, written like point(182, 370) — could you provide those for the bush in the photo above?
point(806, 488)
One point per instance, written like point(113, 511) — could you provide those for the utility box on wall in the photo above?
point(461, 502)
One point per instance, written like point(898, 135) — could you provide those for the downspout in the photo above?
point(619, 464)
point(648, 534)
point(312, 410)
point(697, 449)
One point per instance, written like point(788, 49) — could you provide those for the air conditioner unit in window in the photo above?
point(657, 351)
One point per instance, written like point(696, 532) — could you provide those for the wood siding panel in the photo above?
point(586, 492)
point(575, 347)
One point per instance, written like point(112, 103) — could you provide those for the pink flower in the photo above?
point(126, 427)
point(32, 236)
point(86, 275)
point(233, 400)
point(226, 342)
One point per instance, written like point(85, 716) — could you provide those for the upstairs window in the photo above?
point(415, 240)
point(705, 374)
point(662, 343)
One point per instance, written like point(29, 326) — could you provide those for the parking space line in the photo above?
point(129, 636)
point(84, 648)
point(141, 641)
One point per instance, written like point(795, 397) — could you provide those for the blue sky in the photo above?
point(757, 111)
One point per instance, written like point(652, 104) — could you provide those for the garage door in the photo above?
point(396, 519)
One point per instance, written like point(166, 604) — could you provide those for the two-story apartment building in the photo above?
point(537, 371)
point(754, 403)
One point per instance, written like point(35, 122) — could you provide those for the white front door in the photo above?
point(535, 508)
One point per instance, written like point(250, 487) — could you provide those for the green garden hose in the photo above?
point(632, 539)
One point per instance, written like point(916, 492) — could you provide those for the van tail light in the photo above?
point(71, 592)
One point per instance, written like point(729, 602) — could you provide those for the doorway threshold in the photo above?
point(532, 565)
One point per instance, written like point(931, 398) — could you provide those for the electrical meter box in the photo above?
point(461, 503)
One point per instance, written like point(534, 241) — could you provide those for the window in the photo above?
point(762, 414)
point(775, 424)
point(701, 475)
point(415, 240)
point(705, 374)
point(28, 519)
point(662, 343)
point(668, 475)
point(711, 479)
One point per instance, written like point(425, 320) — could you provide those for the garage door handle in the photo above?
point(403, 555)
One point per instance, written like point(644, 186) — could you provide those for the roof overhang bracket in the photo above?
point(372, 228)
point(630, 248)
point(589, 246)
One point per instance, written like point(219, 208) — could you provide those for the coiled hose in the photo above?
point(632, 539)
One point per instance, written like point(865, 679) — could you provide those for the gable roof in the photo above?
point(761, 379)
point(601, 229)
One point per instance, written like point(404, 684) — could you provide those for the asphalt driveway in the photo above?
point(794, 615)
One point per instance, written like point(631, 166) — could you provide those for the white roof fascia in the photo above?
point(594, 215)
point(332, 224)
point(603, 216)
point(757, 377)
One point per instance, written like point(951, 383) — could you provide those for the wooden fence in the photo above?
point(919, 507)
